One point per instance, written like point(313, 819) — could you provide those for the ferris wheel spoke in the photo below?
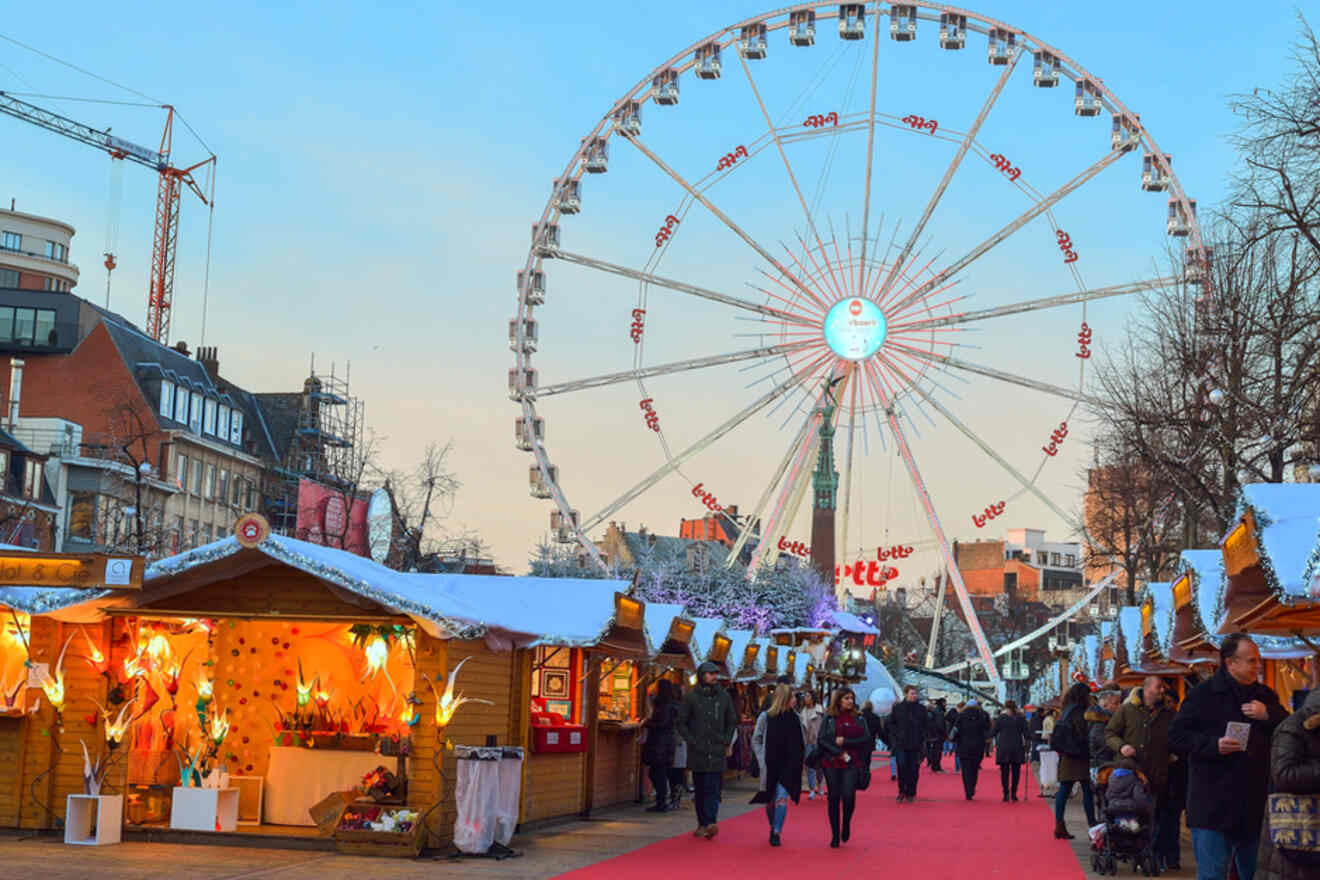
point(1032, 305)
point(683, 287)
point(954, 573)
point(675, 462)
point(870, 148)
point(674, 367)
point(963, 147)
point(841, 544)
point(1002, 376)
point(990, 451)
point(1026, 217)
point(799, 456)
point(723, 218)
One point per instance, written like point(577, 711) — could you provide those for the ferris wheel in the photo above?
point(855, 228)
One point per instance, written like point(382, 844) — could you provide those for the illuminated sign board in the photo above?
point(81, 571)
point(855, 328)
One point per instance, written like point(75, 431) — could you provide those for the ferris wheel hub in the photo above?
point(855, 328)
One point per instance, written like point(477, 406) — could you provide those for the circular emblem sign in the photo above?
point(855, 328)
point(251, 529)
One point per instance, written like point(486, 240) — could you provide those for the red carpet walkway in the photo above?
point(941, 835)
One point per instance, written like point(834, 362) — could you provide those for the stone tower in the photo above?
point(825, 489)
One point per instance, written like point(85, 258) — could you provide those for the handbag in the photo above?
point(1294, 821)
point(812, 757)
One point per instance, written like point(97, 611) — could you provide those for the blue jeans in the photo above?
point(777, 810)
point(1065, 792)
point(813, 778)
point(707, 796)
point(1214, 850)
point(893, 765)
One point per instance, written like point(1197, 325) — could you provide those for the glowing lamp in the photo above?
point(205, 688)
point(219, 727)
point(54, 688)
point(94, 656)
point(115, 730)
point(408, 716)
point(322, 698)
point(158, 648)
point(448, 703)
point(377, 652)
point(134, 666)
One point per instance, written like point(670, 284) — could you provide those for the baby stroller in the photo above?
point(1128, 812)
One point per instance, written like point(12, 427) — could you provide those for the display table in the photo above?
point(204, 809)
point(298, 778)
point(93, 820)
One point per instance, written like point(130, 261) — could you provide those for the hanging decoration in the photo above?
point(54, 685)
point(448, 704)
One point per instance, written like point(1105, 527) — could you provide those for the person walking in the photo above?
point(1097, 717)
point(1227, 778)
point(707, 722)
point(780, 746)
point(1011, 734)
point(1069, 740)
point(658, 750)
point(937, 731)
point(1037, 727)
point(812, 713)
point(907, 737)
point(952, 720)
point(972, 733)
point(1294, 769)
point(1139, 732)
point(1168, 829)
point(845, 744)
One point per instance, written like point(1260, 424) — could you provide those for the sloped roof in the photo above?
point(656, 620)
point(639, 545)
point(703, 636)
point(1288, 525)
point(1206, 571)
point(849, 622)
point(1161, 596)
point(739, 639)
point(1129, 629)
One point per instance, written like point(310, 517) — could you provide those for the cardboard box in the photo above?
point(326, 813)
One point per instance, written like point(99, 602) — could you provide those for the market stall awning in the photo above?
point(740, 642)
point(709, 642)
point(668, 636)
point(1197, 584)
point(1272, 561)
point(849, 622)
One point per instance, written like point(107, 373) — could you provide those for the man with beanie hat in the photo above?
point(706, 722)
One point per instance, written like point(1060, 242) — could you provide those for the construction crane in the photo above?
point(160, 293)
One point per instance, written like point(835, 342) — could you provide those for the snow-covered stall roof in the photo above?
point(1091, 644)
point(1206, 571)
point(800, 662)
point(1161, 598)
point(656, 621)
point(1129, 628)
point(849, 622)
point(739, 639)
point(1288, 529)
point(1081, 660)
point(559, 611)
point(758, 667)
point(703, 636)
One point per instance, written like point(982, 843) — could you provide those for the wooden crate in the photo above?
point(390, 844)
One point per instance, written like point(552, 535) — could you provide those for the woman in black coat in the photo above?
point(780, 747)
point(658, 750)
point(1011, 734)
point(972, 733)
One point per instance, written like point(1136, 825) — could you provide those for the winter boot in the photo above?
point(1060, 832)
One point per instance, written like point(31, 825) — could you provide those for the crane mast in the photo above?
point(171, 180)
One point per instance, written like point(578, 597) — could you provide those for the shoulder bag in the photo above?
point(1294, 823)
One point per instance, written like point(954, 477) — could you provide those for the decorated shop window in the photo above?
point(555, 691)
point(618, 691)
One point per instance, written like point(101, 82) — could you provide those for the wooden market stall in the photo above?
point(1198, 582)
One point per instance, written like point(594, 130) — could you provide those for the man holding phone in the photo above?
point(1227, 780)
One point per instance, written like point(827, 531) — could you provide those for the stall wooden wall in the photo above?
point(554, 786)
point(50, 751)
point(618, 759)
point(487, 675)
point(11, 756)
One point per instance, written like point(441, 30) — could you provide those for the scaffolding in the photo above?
point(325, 447)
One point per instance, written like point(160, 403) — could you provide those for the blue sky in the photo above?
point(379, 172)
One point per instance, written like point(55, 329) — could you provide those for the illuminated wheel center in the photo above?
point(855, 328)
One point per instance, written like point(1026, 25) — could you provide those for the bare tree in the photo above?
point(1279, 141)
point(423, 500)
point(1209, 398)
point(131, 516)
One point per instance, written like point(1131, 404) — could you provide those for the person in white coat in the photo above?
point(811, 713)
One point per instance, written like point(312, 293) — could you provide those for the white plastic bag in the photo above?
point(1049, 769)
point(510, 794)
point(478, 799)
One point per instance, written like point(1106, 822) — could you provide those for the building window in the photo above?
point(210, 481)
point(167, 399)
point(8, 278)
point(197, 478)
point(181, 405)
point(11, 241)
point(222, 422)
point(192, 533)
point(249, 496)
point(236, 429)
point(1054, 559)
point(222, 488)
point(206, 534)
point(195, 413)
point(82, 508)
point(32, 479)
point(1070, 560)
point(181, 471)
point(237, 491)
point(56, 251)
point(1010, 582)
point(25, 323)
point(178, 532)
point(208, 423)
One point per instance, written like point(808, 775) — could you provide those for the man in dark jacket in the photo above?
point(936, 731)
point(1096, 718)
point(1227, 782)
point(1037, 727)
point(907, 737)
point(972, 736)
point(706, 721)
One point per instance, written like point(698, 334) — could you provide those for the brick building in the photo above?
point(1025, 565)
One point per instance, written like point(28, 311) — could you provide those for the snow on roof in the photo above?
point(656, 620)
point(800, 661)
point(558, 611)
point(1106, 631)
point(1161, 597)
point(849, 622)
point(703, 636)
point(739, 639)
point(1091, 645)
point(1288, 522)
point(1129, 626)
point(758, 666)
point(1206, 569)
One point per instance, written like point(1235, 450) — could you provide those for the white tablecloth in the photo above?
point(298, 779)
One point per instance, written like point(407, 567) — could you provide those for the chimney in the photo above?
point(208, 356)
point(182, 348)
point(15, 390)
